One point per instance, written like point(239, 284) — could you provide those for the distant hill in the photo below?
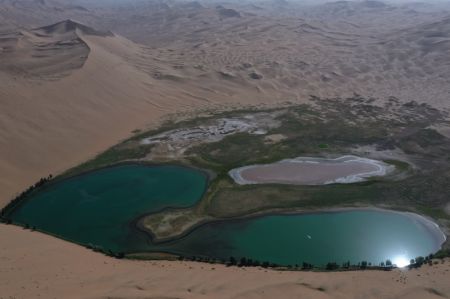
point(70, 26)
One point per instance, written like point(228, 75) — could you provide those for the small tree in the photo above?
point(420, 260)
point(232, 261)
point(332, 266)
point(243, 262)
point(249, 262)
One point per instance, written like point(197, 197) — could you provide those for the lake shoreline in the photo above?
point(426, 221)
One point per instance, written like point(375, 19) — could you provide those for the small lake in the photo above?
point(356, 235)
point(100, 208)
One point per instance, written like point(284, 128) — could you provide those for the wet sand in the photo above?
point(311, 171)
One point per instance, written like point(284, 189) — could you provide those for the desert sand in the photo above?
point(67, 120)
point(73, 89)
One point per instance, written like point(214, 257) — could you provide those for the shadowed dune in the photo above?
point(52, 51)
point(67, 26)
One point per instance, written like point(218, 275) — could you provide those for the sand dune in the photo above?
point(70, 89)
point(84, 108)
point(376, 50)
point(65, 121)
point(47, 52)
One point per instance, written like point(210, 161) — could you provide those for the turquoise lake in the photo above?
point(100, 208)
point(358, 235)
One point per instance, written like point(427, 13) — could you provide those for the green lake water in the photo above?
point(355, 236)
point(97, 208)
point(100, 207)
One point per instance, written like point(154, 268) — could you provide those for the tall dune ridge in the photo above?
point(90, 108)
point(77, 77)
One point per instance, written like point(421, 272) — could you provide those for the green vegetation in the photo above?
point(15, 202)
point(322, 127)
point(116, 154)
point(330, 266)
point(336, 127)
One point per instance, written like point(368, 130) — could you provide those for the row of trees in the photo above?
point(15, 201)
point(331, 266)
point(420, 260)
point(232, 261)
point(108, 252)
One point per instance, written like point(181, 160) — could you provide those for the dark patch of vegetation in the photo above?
point(330, 266)
point(443, 253)
point(17, 201)
point(340, 124)
point(107, 252)
point(420, 260)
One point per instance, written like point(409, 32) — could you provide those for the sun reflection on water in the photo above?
point(400, 261)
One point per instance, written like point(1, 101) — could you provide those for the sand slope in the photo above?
point(45, 53)
point(50, 124)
